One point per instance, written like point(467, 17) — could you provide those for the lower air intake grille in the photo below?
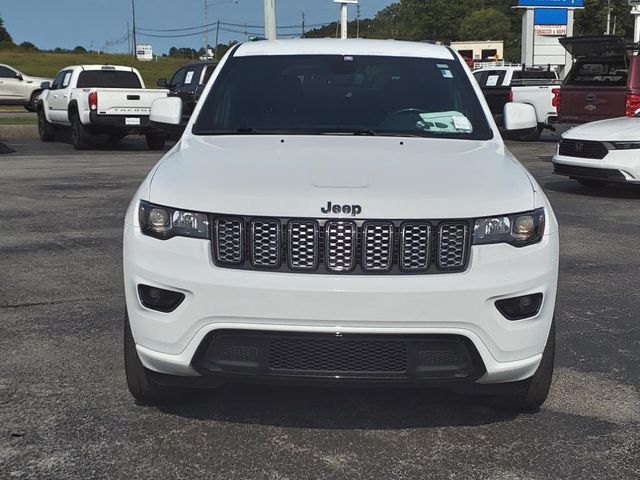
point(338, 355)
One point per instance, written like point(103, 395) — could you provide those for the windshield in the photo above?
point(331, 94)
point(108, 79)
point(606, 73)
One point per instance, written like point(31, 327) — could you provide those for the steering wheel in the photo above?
point(404, 111)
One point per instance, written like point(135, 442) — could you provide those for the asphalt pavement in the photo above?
point(65, 411)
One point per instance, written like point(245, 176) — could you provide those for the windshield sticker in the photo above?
point(447, 73)
point(462, 123)
point(444, 122)
point(492, 80)
point(189, 77)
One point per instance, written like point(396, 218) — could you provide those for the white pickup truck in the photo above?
point(98, 100)
point(515, 83)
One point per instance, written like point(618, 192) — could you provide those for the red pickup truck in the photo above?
point(603, 83)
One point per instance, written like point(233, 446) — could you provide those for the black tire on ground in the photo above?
point(143, 389)
point(537, 388)
point(80, 137)
point(116, 137)
point(33, 102)
point(46, 131)
point(156, 141)
point(591, 183)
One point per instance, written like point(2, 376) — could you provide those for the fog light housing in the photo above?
point(518, 308)
point(159, 299)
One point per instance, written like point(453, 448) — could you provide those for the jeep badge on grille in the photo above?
point(353, 210)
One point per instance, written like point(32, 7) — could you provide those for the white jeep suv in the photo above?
point(340, 211)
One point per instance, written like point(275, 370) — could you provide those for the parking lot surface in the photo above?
point(65, 411)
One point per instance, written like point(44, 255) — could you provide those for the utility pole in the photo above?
point(135, 43)
point(128, 37)
point(608, 31)
point(303, 32)
point(358, 20)
point(206, 29)
point(270, 26)
point(215, 48)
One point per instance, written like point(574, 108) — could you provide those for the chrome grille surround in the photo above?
point(229, 235)
point(377, 246)
point(303, 245)
point(452, 245)
point(415, 246)
point(266, 243)
point(341, 246)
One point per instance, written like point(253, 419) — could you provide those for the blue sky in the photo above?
point(93, 23)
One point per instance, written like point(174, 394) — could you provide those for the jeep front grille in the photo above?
point(340, 246)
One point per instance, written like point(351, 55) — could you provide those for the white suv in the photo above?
point(340, 211)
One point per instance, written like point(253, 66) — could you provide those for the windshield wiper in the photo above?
point(365, 131)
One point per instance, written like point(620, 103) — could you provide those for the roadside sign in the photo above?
point(552, 3)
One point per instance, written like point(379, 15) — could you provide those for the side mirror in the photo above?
point(45, 85)
point(166, 115)
point(162, 83)
point(519, 116)
point(19, 76)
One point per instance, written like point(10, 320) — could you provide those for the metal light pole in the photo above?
point(206, 23)
point(270, 25)
point(135, 44)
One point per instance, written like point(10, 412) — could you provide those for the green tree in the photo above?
point(485, 24)
point(28, 46)
point(4, 35)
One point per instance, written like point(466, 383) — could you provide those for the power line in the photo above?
point(202, 28)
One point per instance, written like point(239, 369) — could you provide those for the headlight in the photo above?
point(519, 229)
point(165, 222)
point(622, 145)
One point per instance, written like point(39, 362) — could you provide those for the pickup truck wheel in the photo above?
point(79, 134)
point(530, 398)
point(591, 183)
point(116, 138)
point(46, 131)
point(156, 141)
point(143, 389)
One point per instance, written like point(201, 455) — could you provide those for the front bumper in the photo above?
point(458, 304)
point(620, 166)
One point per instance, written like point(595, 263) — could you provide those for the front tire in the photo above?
point(143, 389)
point(79, 134)
point(156, 141)
point(33, 102)
point(530, 398)
point(46, 131)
